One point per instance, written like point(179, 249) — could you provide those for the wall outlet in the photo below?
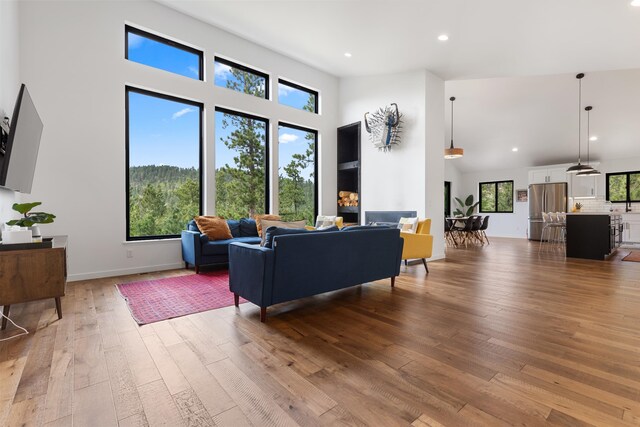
point(129, 253)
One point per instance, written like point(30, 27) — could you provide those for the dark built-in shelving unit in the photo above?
point(349, 166)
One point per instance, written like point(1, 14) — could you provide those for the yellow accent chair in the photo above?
point(418, 245)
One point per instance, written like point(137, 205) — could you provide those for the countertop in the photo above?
point(598, 213)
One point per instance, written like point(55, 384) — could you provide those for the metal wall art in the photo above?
point(384, 127)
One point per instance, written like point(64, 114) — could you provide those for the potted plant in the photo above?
point(467, 207)
point(30, 219)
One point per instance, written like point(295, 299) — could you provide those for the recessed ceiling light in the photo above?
point(635, 3)
point(593, 138)
point(444, 37)
point(347, 54)
point(514, 149)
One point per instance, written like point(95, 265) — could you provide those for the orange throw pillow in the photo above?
point(214, 227)
point(259, 219)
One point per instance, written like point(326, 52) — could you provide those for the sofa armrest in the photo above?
point(417, 245)
point(251, 272)
point(191, 247)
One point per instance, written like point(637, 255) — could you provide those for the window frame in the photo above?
point(315, 163)
point(267, 158)
point(304, 89)
point(628, 176)
point(495, 183)
point(200, 106)
point(246, 69)
point(137, 31)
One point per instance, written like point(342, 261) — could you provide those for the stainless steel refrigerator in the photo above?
point(545, 198)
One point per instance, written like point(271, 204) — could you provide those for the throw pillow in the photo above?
point(324, 221)
point(259, 219)
point(248, 228)
point(282, 224)
point(408, 225)
point(215, 228)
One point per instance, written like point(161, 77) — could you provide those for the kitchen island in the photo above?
point(593, 235)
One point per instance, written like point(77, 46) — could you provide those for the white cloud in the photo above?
point(182, 112)
point(287, 137)
point(284, 90)
point(222, 70)
point(194, 70)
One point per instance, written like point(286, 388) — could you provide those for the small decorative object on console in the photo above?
point(29, 220)
point(384, 127)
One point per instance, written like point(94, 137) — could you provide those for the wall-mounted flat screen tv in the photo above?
point(19, 150)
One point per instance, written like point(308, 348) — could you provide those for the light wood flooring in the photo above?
point(499, 335)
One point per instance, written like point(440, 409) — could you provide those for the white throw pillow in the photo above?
point(408, 225)
point(325, 221)
point(282, 224)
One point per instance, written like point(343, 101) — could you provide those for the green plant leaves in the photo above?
point(23, 208)
point(469, 200)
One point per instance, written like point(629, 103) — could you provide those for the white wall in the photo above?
point(9, 84)
point(72, 59)
point(454, 176)
point(501, 224)
point(409, 177)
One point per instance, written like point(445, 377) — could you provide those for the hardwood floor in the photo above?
point(499, 335)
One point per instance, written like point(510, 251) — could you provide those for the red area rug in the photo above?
point(151, 301)
point(633, 256)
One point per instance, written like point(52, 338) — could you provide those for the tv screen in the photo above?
point(20, 152)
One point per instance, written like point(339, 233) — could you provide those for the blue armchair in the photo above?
point(198, 250)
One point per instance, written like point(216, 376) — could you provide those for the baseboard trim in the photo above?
point(123, 272)
point(436, 257)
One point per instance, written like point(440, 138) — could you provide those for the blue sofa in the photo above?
point(302, 265)
point(198, 250)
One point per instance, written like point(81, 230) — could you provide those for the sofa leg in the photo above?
point(236, 300)
point(197, 269)
point(406, 262)
point(393, 281)
point(425, 264)
point(186, 265)
point(263, 314)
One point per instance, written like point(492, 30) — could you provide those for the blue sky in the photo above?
point(162, 132)
point(165, 57)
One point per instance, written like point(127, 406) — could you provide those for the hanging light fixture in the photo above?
point(579, 167)
point(592, 171)
point(452, 152)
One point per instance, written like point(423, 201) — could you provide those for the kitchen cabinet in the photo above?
point(584, 186)
point(631, 228)
point(548, 174)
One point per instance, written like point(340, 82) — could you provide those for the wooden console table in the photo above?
point(33, 274)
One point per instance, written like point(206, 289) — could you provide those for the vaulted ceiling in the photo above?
point(510, 63)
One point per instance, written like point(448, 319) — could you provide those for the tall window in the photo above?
point(297, 173)
point(447, 198)
point(158, 52)
point(242, 175)
point(240, 78)
point(163, 146)
point(496, 197)
point(297, 96)
point(623, 187)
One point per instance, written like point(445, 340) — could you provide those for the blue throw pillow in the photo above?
point(234, 226)
point(191, 226)
point(272, 232)
point(248, 228)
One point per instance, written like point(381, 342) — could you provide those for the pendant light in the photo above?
point(579, 167)
point(592, 171)
point(452, 152)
